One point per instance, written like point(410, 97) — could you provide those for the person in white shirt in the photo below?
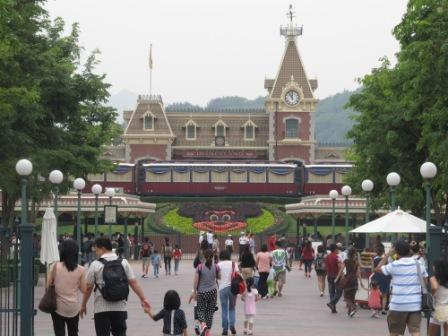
point(229, 244)
point(227, 299)
point(210, 239)
point(405, 302)
point(109, 316)
point(243, 241)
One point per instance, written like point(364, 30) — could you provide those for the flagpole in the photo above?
point(150, 71)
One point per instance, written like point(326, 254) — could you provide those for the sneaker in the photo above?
point(332, 308)
point(203, 329)
point(224, 333)
point(244, 332)
point(233, 330)
point(353, 311)
point(383, 312)
point(279, 294)
point(143, 275)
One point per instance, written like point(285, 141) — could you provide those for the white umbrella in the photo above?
point(49, 252)
point(397, 221)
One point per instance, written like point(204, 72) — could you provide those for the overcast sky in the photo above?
point(204, 49)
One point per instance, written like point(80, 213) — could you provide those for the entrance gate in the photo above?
point(10, 284)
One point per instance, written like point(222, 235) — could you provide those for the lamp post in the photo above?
point(24, 168)
point(96, 190)
point(393, 180)
point(56, 177)
point(346, 191)
point(79, 184)
point(110, 192)
point(333, 195)
point(428, 170)
point(367, 187)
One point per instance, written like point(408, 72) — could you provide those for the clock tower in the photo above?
point(291, 104)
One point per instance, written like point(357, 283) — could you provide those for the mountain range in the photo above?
point(332, 118)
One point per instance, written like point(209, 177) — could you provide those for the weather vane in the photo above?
point(290, 13)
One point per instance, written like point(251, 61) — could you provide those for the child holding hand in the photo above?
point(250, 297)
point(174, 322)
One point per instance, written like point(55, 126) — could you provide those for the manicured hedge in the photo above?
point(220, 199)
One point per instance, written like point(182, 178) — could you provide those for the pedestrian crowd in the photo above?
point(395, 283)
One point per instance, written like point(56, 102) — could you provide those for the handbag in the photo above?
point(342, 282)
point(237, 284)
point(48, 302)
point(427, 299)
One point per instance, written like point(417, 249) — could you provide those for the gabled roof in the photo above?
point(291, 67)
point(153, 106)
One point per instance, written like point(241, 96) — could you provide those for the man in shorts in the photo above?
point(146, 256)
point(405, 302)
point(279, 262)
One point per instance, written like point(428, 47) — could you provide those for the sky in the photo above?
point(203, 49)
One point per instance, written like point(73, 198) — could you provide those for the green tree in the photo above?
point(403, 118)
point(52, 109)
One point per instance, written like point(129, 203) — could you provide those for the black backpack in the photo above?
point(116, 284)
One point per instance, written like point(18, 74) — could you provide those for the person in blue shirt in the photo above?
point(155, 261)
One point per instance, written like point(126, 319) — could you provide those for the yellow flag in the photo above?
point(150, 57)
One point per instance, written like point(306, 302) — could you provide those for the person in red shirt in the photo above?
point(271, 242)
point(177, 255)
point(308, 257)
point(333, 264)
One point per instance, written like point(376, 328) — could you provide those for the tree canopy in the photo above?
point(403, 118)
point(52, 108)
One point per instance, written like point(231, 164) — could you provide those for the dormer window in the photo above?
point(148, 121)
point(220, 128)
point(190, 130)
point(249, 130)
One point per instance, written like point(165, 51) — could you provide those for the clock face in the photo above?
point(292, 98)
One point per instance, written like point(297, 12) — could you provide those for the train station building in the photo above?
point(284, 130)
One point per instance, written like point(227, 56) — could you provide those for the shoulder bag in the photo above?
point(48, 302)
point(427, 299)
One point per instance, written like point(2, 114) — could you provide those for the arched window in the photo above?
point(148, 121)
point(291, 128)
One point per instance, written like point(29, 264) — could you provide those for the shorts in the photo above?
point(280, 277)
point(146, 261)
point(250, 318)
point(441, 314)
point(397, 322)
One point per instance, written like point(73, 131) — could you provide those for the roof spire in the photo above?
point(291, 30)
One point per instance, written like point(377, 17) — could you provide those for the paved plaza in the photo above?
point(299, 312)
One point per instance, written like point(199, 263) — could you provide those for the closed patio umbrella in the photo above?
point(49, 252)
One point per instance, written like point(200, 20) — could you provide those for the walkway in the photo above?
point(299, 312)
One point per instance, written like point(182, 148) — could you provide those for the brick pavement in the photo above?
point(299, 312)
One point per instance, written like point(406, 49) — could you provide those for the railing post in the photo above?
point(26, 269)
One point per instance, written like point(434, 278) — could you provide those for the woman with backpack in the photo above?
point(205, 292)
point(320, 268)
point(167, 252)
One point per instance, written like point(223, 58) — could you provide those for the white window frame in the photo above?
point(224, 126)
point(189, 124)
point(150, 115)
point(247, 124)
